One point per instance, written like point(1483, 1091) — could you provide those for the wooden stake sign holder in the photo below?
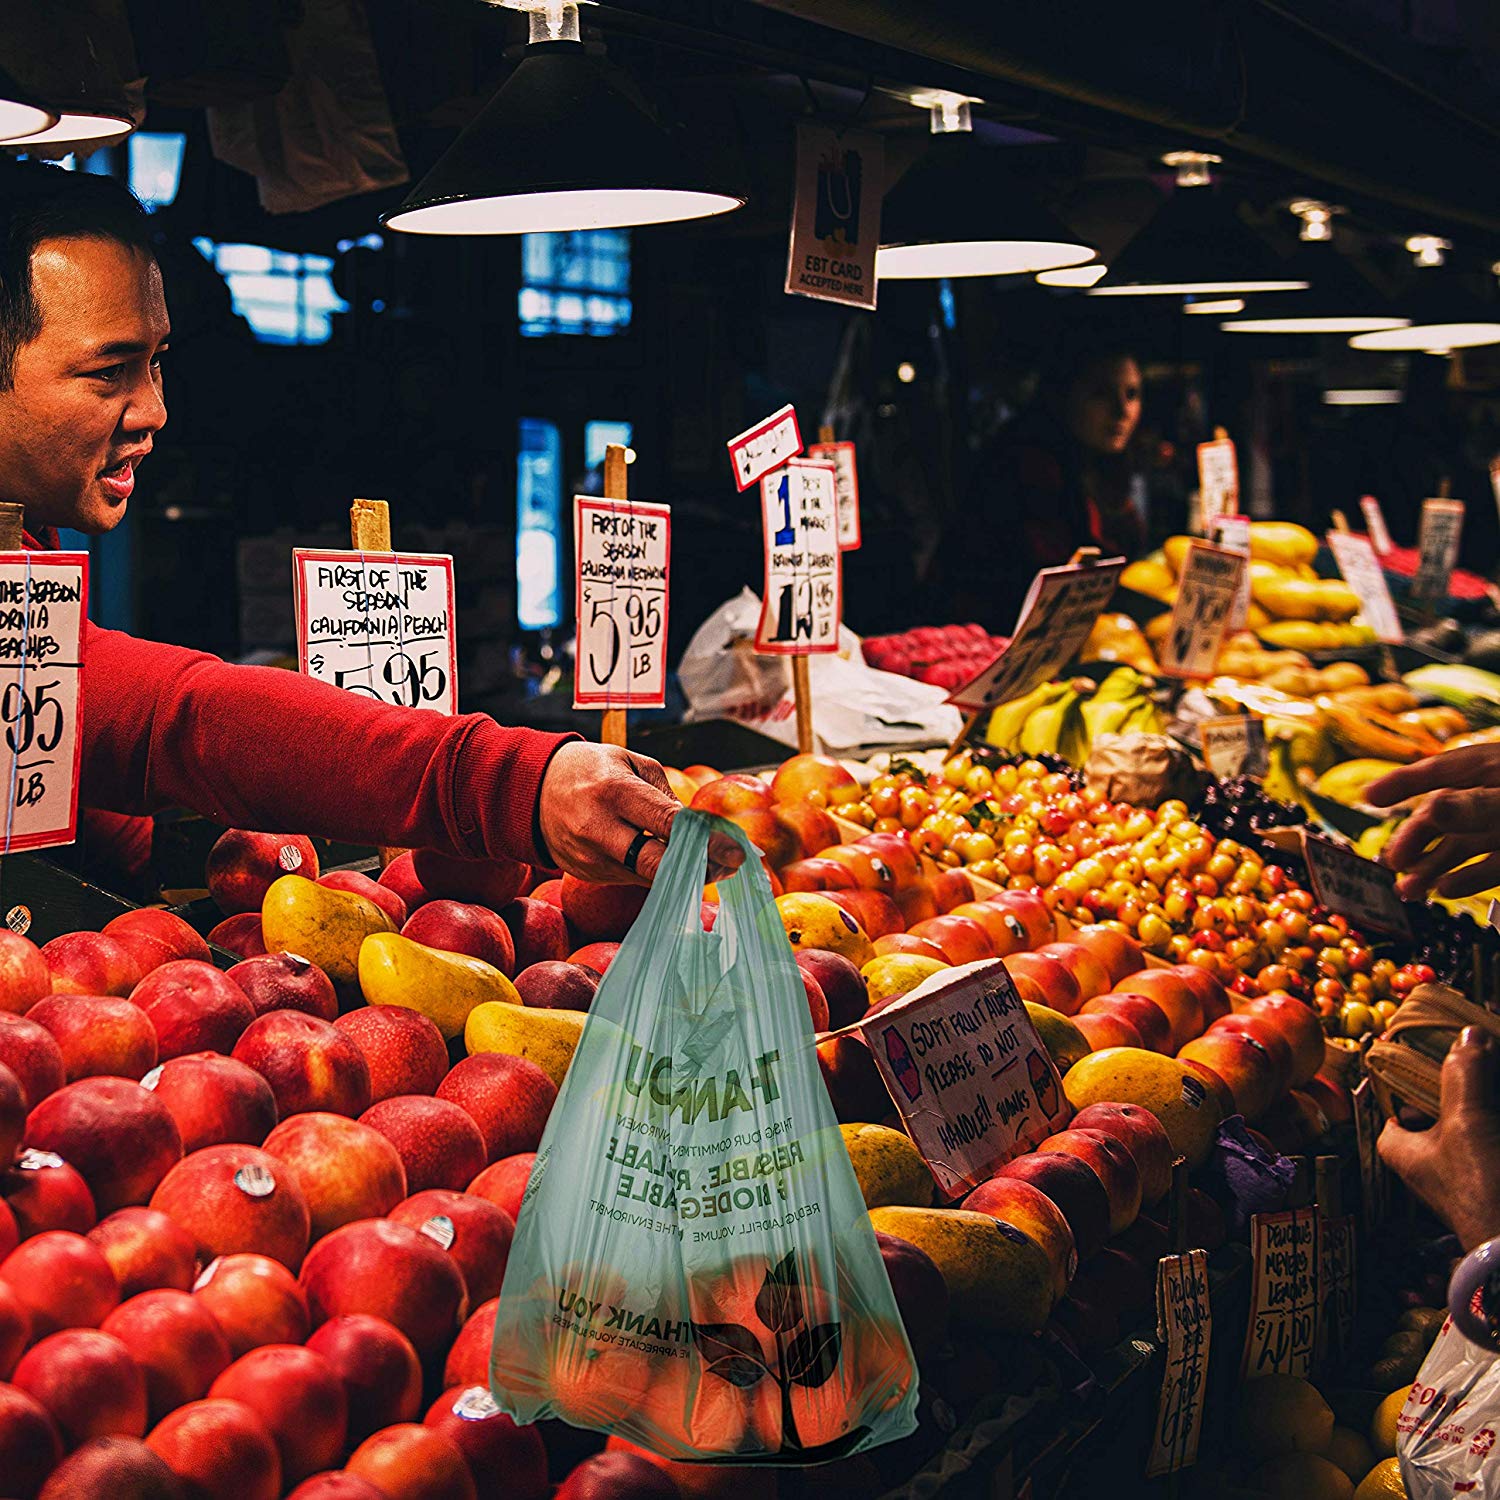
point(370, 531)
point(612, 729)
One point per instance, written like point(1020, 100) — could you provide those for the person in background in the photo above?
point(1056, 479)
point(83, 341)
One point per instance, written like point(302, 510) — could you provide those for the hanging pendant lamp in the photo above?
point(1338, 300)
point(78, 61)
point(20, 115)
point(1444, 317)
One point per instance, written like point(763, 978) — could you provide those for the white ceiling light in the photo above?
point(21, 116)
point(1431, 338)
point(1220, 305)
point(1317, 219)
point(1428, 249)
point(1073, 275)
point(1374, 396)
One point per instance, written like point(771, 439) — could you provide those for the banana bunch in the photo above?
point(1063, 718)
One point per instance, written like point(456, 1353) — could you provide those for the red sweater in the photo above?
point(257, 747)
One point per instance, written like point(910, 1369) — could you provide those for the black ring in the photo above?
point(633, 853)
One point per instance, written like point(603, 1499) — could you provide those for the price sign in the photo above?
point(380, 624)
point(1355, 555)
point(1442, 528)
point(1206, 593)
point(1218, 479)
point(1234, 745)
point(43, 605)
point(1495, 480)
point(1354, 887)
point(803, 599)
point(624, 551)
point(766, 446)
point(968, 1072)
point(836, 217)
point(846, 487)
point(1282, 1335)
point(1060, 610)
point(1380, 537)
point(1336, 1317)
point(1233, 534)
point(1184, 1323)
point(1374, 1184)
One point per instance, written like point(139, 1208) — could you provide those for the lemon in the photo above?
point(1383, 1482)
point(1281, 1414)
point(1351, 1451)
point(1383, 1424)
point(1302, 1476)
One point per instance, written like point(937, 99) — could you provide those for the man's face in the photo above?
point(86, 400)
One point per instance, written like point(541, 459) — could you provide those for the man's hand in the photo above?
point(594, 801)
point(1457, 821)
point(1454, 1167)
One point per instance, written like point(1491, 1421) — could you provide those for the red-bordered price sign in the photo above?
point(803, 601)
point(846, 485)
point(766, 446)
point(43, 604)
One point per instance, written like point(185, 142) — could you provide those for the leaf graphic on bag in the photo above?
point(813, 1355)
point(778, 1304)
point(730, 1351)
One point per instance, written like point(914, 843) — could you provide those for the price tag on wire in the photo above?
point(43, 605)
point(1234, 745)
point(1442, 529)
point(1355, 555)
point(1380, 536)
point(803, 600)
point(1206, 593)
point(846, 487)
point(624, 552)
point(380, 624)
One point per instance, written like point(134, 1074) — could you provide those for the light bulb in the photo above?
point(948, 113)
point(1192, 166)
point(1428, 249)
point(906, 372)
point(1317, 219)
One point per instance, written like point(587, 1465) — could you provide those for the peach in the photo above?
point(921, 1293)
point(816, 874)
point(818, 779)
point(400, 876)
point(556, 985)
point(1294, 1123)
point(194, 1007)
point(31, 1052)
point(336, 1484)
point(390, 1271)
point(504, 1182)
point(412, 1462)
point(24, 974)
point(309, 1063)
point(600, 913)
point(817, 1001)
point(240, 935)
point(242, 866)
point(1093, 978)
point(961, 939)
point(811, 829)
point(146, 1250)
point(852, 1079)
point(1119, 954)
point(502, 1457)
point(475, 1233)
point(63, 1281)
point(595, 956)
point(285, 981)
point(255, 1300)
point(13, 1113)
point(549, 891)
point(1056, 979)
point(1209, 990)
point(1145, 1015)
point(701, 775)
point(1142, 1135)
point(1113, 1165)
point(214, 1100)
point(121, 1467)
point(403, 1049)
point(508, 1098)
point(381, 1374)
point(876, 912)
point(951, 888)
point(220, 1450)
point(538, 932)
point(15, 1329)
point(1006, 933)
point(1247, 1068)
point(682, 785)
point(1171, 993)
point(177, 1343)
point(896, 852)
point(1300, 1026)
point(1031, 912)
point(468, 1361)
point(842, 984)
point(484, 882)
point(156, 937)
point(119, 1136)
point(622, 1476)
point(236, 1198)
point(300, 1399)
point(88, 963)
point(908, 942)
point(1215, 1086)
point(388, 900)
point(345, 1170)
point(1105, 1029)
point(88, 1382)
point(43, 1192)
point(438, 1142)
point(30, 1445)
point(455, 927)
point(1029, 1209)
point(1266, 1032)
point(870, 867)
point(98, 1034)
point(1074, 1187)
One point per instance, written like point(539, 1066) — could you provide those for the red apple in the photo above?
point(549, 891)
point(43, 1192)
point(240, 934)
point(122, 1468)
point(1145, 1015)
point(308, 1063)
point(400, 876)
point(1300, 1026)
point(379, 1369)
point(816, 875)
point(336, 1484)
point(31, 1052)
point(1206, 986)
point(63, 1280)
point(438, 1142)
point(920, 1290)
point(299, 1397)
point(538, 932)
point(811, 829)
point(242, 867)
point(412, 1462)
point(502, 1457)
point(30, 1445)
point(508, 1098)
point(1248, 1069)
point(1112, 1164)
point(869, 866)
point(738, 792)
point(1264, 1031)
point(1106, 1029)
point(97, 1035)
point(214, 1100)
point(15, 1328)
point(1006, 933)
point(146, 1250)
point(24, 974)
point(220, 1450)
point(402, 1048)
point(88, 963)
point(13, 1113)
point(951, 888)
point(1031, 911)
point(1141, 1133)
point(194, 1008)
point(852, 1079)
point(255, 1300)
point(388, 900)
point(896, 853)
point(177, 1343)
point(557, 985)
point(345, 1170)
point(468, 1360)
point(88, 1382)
point(617, 1476)
point(817, 779)
point(504, 1182)
point(1056, 980)
point(285, 981)
point(1030, 1210)
point(1076, 1190)
point(484, 882)
point(156, 937)
point(235, 1198)
point(455, 927)
point(907, 942)
point(476, 1235)
point(842, 984)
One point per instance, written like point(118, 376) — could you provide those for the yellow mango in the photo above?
point(813, 921)
point(890, 974)
point(1287, 598)
point(1282, 542)
point(444, 987)
point(1174, 549)
point(1150, 576)
point(1336, 600)
point(888, 1167)
point(324, 926)
point(546, 1037)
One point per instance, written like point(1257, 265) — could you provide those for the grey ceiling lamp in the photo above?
point(76, 61)
point(20, 114)
point(562, 146)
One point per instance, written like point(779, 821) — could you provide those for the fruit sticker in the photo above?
point(1282, 1334)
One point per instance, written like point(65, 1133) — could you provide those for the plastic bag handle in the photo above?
point(1471, 1275)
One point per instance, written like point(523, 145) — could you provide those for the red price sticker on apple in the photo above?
point(43, 605)
point(846, 487)
point(1207, 591)
point(766, 446)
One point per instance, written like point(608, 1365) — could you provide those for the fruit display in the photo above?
point(947, 655)
point(1066, 718)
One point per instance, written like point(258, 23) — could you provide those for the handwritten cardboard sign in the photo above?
point(836, 215)
point(43, 606)
point(1218, 479)
point(1373, 1182)
point(381, 624)
point(1380, 537)
point(1354, 887)
point(846, 487)
point(970, 1077)
point(1357, 560)
point(1336, 1317)
point(1233, 533)
point(766, 446)
point(1442, 529)
point(1282, 1334)
point(803, 602)
point(624, 552)
point(1234, 745)
point(1060, 610)
point(1207, 590)
point(1184, 1323)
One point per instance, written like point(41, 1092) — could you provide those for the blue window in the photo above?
point(597, 436)
point(575, 282)
point(156, 166)
point(286, 298)
point(538, 525)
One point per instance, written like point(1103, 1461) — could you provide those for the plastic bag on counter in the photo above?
point(853, 704)
point(1446, 1434)
point(693, 1267)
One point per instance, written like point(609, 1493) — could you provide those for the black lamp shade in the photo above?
point(21, 114)
point(561, 147)
point(1338, 300)
point(1444, 316)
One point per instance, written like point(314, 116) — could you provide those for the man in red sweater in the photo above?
point(83, 330)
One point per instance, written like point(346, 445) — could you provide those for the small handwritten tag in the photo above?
point(1184, 1322)
point(1380, 537)
point(1218, 479)
point(1233, 534)
point(766, 446)
point(1206, 593)
point(803, 602)
point(1442, 529)
point(846, 486)
point(1282, 1335)
point(1354, 887)
point(1234, 745)
point(1355, 555)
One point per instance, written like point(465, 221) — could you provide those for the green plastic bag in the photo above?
point(693, 1267)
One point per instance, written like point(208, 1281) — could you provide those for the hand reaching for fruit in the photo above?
point(594, 801)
